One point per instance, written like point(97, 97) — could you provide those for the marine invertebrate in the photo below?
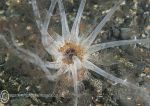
point(70, 51)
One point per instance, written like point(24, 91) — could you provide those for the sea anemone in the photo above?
point(72, 52)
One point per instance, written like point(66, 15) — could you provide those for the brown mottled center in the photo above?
point(69, 50)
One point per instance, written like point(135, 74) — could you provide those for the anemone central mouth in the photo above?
point(70, 53)
point(69, 50)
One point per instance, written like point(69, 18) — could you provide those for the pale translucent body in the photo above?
point(52, 45)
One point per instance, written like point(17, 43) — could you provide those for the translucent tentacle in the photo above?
point(91, 66)
point(76, 24)
point(49, 14)
point(75, 79)
point(97, 47)
point(36, 13)
point(65, 28)
point(47, 40)
point(52, 65)
point(3, 39)
point(142, 92)
point(27, 56)
point(89, 40)
point(55, 35)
